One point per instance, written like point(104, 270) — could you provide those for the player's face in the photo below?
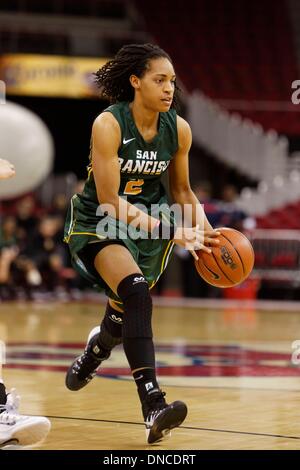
point(157, 85)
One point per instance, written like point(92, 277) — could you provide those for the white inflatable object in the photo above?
point(27, 143)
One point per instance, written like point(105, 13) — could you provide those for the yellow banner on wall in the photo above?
point(50, 75)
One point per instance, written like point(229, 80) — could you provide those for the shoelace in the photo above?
point(155, 403)
point(86, 364)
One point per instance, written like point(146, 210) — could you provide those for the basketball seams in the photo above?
point(222, 229)
point(234, 247)
point(202, 273)
point(225, 275)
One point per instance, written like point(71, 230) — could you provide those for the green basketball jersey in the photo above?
point(141, 163)
point(141, 167)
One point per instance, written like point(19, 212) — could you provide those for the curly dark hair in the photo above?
point(132, 59)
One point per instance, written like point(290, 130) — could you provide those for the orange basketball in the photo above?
point(230, 263)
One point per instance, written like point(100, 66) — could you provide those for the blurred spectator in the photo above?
point(229, 193)
point(8, 232)
point(58, 210)
point(26, 215)
point(59, 205)
point(232, 215)
point(47, 253)
point(203, 191)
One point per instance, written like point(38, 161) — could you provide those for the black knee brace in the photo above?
point(135, 295)
point(111, 328)
point(113, 321)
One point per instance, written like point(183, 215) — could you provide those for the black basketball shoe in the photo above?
point(84, 368)
point(160, 417)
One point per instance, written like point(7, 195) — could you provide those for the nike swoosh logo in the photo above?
point(139, 377)
point(215, 276)
point(127, 141)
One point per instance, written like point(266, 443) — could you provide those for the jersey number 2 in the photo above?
point(134, 187)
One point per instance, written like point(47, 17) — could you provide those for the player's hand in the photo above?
point(195, 239)
point(7, 170)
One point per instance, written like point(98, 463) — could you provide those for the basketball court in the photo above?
point(229, 361)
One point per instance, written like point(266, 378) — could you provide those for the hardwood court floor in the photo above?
point(231, 366)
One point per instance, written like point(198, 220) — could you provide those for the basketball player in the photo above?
point(120, 247)
point(15, 428)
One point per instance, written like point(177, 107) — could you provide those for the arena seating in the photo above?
point(237, 51)
point(287, 217)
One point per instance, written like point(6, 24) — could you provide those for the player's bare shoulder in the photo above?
point(106, 122)
point(184, 132)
